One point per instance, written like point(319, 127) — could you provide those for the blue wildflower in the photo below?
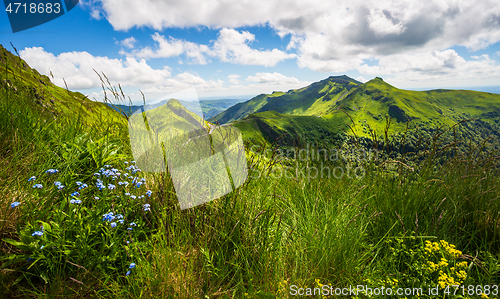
point(138, 185)
point(129, 228)
point(108, 217)
point(148, 193)
point(39, 186)
point(51, 171)
point(37, 233)
point(143, 180)
point(133, 196)
point(119, 216)
point(133, 224)
point(77, 201)
point(111, 186)
point(78, 183)
point(127, 194)
point(42, 246)
point(97, 174)
point(147, 207)
point(59, 185)
point(76, 193)
point(83, 186)
point(32, 178)
point(128, 273)
point(125, 162)
point(113, 224)
point(96, 198)
point(14, 204)
point(132, 266)
point(121, 221)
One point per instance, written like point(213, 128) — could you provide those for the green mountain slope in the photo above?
point(314, 99)
point(365, 110)
point(44, 98)
point(288, 130)
point(370, 103)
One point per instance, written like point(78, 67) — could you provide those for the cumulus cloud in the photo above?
point(160, 14)
point(274, 78)
point(231, 46)
point(128, 42)
point(327, 35)
point(233, 79)
point(436, 69)
point(172, 47)
point(77, 69)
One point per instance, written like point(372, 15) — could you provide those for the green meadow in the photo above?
point(375, 203)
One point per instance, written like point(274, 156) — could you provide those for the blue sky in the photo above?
point(228, 49)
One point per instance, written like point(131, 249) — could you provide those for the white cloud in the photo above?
point(160, 14)
point(233, 79)
point(77, 69)
point(128, 42)
point(273, 78)
point(231, 46)
point(438, 68)
point(438, 61)
point(361, 79)
point(172, 47)
point(328, 36)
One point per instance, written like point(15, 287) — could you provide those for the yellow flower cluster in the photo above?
point(454, 275)
point(445, 247)
point(444, 280)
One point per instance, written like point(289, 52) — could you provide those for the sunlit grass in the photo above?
point(277, 230)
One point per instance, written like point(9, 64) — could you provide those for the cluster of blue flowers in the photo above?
point(59, 185)
point(104, 181)
point(110, 217)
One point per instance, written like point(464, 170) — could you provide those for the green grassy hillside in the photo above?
point(79, 219)
point(288, 130)
point(371, 102)
point(314, 99)
point(367, 111)
point(19, 80)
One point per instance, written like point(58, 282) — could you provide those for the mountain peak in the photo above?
point(341, 79)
